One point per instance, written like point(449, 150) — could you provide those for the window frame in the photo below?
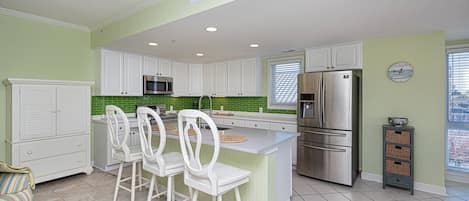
point(270, 63)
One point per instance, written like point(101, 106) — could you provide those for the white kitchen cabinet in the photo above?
point(251, 77)
point(318, 59)
point(209, 79)
point(258, 124)
point(195, 77)
point(180, 76)
point(132, 76)
point(234, 78)
point(150, 65)
point(220, 79)
point(164, 67)
point(337, 57)
point(120, 74)
point(48, 127)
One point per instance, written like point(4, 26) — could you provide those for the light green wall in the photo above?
point(30, 49)
point(161, 13)
point(421, 99)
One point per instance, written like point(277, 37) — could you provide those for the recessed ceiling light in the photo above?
point(153, 44)
point(199, 54)
point(211, 29)
point(254, 45)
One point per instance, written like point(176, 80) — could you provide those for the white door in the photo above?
point(180, 78)
point(347, 56)
point(111, 73)
point(234, 78)
point(195, 77)
point(250, 77)
point(150, 65)
point(73, 110)
point(37, 112)
point(318, 59)
point(133, 79)
point(220, 79)
point(209, 79)
point(164, 67)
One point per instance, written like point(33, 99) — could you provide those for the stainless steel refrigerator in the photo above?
point(328, 104)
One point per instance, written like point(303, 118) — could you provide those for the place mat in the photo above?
point(168, 127)
point(233, 138)
point(176, 132)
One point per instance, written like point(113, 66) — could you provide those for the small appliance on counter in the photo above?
point(161, 110)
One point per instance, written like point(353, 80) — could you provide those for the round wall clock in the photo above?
point(400, 71)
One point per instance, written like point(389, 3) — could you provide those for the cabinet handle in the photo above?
point(283, 128)
point(29, 152)
point(232, 123)
point(255, 125)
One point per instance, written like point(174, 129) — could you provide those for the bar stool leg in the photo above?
point(118, 181)
point(140, 166)
point(152, 184)
point(169, 189)
point(238, 197)
point(219, 197)
point(194, 197)
point(132, 187)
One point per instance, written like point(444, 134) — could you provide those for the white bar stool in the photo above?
point(156, 162)
point(122, 152)
point(213, 178)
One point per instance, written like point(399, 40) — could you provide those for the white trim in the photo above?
point(11, 81)
point(461, 46)
point(457, 176)
point(281, 60)
point(429, 188)
point(29, 16)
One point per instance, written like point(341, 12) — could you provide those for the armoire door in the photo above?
point(38, 112)
point(73, 110)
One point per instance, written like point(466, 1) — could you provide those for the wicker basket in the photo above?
point(396, 136)
point(399, 152)
point(396, 167)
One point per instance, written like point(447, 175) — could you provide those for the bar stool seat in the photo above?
point(174, 164)
point(135, 154)
point(228, 178)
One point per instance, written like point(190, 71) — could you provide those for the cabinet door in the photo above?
point(318, 59)
point(209, 79)
point(73, 110)
point(180, 77)
point(250, 77)
point(111, 73)
point(164, 67)
point(38, 112)
point(133, 79)
point(220, 79)
point(347, 56)
point(150, 65)
point(195, 78)
point(234, 78)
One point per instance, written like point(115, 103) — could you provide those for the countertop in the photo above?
point(259, 141)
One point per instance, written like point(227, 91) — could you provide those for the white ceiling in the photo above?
point(88, 13)
point(279, 25)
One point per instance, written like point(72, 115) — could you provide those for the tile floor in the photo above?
point(99, 186)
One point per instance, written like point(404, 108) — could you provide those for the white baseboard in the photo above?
point(440, 190)
point(457, 176)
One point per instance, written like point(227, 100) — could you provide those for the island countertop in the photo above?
point(259, 141)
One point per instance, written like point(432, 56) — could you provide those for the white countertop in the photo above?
point(259, 141)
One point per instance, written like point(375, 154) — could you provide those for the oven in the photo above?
point(153, 85)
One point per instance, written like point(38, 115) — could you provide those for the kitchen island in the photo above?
point(266, 153)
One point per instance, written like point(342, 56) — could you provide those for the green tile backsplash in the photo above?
point(127, 103)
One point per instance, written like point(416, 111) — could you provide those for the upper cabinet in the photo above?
point(150, 65)
point(120, 74)
point(180, 76)
point(164, 67)
point(233, 78)
point(337, 57)
point(195, 80)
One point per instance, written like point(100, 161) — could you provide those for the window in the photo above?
point(458, 109)
point(283, 83)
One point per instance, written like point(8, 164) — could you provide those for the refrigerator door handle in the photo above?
point(330, 134)
point(323, 101)
point(320, 102)
point(324, 149)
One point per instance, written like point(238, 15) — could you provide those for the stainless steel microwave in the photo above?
point(153, 85)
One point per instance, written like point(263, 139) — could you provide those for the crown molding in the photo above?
point(29, 16)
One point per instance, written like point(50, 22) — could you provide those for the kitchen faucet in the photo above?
point(200, 106)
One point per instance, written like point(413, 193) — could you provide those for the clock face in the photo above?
point(400, 71)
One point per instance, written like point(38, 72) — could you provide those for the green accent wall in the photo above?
point(422, 99)
point(163, 12)
point(31, 49)
point(245, 104)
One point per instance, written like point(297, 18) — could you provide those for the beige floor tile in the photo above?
point(313, 198)
point(335, 197)
point(356, 196)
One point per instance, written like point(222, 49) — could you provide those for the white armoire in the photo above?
point(48, 126)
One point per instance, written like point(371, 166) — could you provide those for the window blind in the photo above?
point(458, 86)
point(284, 83)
